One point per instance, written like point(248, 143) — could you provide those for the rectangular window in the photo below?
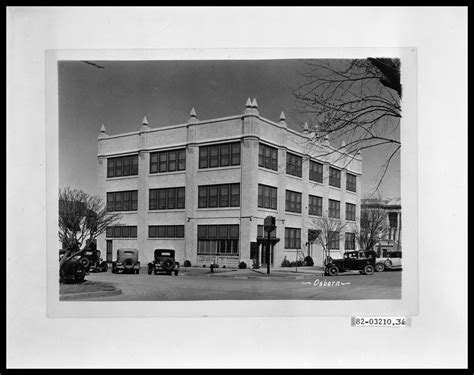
point(349, 243)
point(334, 209)
point(218, 239)
point(292, 238)
point(121, 231)
point(167, 198)
point(293, 201)
point(122, 166)
point(267, 157)
point(223, 155)
point(166, 231)
point(168, 161)
point(225, 195)
point(334, 177)
point(315, 205)
point(267, 197)
point(350, 211)
point(294, 165)
point(351, 182)
point(333, 240)
point(122, 201)
point(315, 171)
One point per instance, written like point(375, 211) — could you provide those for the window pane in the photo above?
point(234, 231)
point(161, 231)
point(223, 195)
point(162, 199)
point(235, 149)
point(134, 200)
point(212, 231)
point(152, 231)
point(110, 167)
point(110, 202)
point(153, 162)
point(224, 155)
point(202, 231)
point(126, 201)
point(153, 201)
point(118, 167)
point(125, 232)
point(181, 198)
point(213, 196)
point(223, 231)
point(203, 157)
point(170, 231)
point(180, 231)
point(273, 198)
point(171, 198)
point(261, 155)
point(274, 160)
point(117, 232)
point(181, 160)
point(213, 156)
point(134, 170)
point(171, 161)
point(163, 164)
point(118, 201)
point(202, 201)
point(235, 195)
point(109, 232)
point(126, 165)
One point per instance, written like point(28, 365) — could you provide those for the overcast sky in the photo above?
point(121, 93)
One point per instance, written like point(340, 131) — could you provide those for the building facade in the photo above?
point(392, 209)
point(203, 188)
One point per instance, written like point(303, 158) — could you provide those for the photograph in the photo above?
point(186, 180)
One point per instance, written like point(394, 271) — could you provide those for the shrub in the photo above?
point(203, 266)
point(308, 261)
point(187, 263)
point(285, 263)
point(298, 263)
point(242, 265)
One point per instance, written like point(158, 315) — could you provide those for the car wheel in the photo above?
point(137, 272)
point(150, 271)
point(369, 269)
point(388, 264)
point(333, 271)
point(176, 273)
point(85, 262)
point(379, 267)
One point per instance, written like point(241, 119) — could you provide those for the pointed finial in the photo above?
point(254, 103)
point(192, 117)
point(282, 116)
point(248, 104)
point(102, 129)
point(193, 113)
point(144, 121)
point(103, 132)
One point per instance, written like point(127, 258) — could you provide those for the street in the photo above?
point(199, 284)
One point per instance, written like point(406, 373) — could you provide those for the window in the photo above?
point(267, 197)
point(393, 219)
point(334, 209)
point(262, 234)
point(333, 240)
point(315, 206)
point(294, 164)
point(122, 166)
point(349, 243)
point(122, 201)
point(218, 239)
point(168, 161)
point(315, 171)
point(121, 231)
point(334, 177)
point(167, 198)
point(293, 201)
point(350, 211)
point(351, 182)
point(224, 195)
point(292, 238)
point(214, 156)
point(267, 157)
point(166, 231)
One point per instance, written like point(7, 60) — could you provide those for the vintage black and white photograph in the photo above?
point(230, 179)
point(236, 187)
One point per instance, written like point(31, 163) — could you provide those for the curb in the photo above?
point(102, 293)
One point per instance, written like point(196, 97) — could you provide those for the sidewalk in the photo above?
point(87, 289)
point(261, 273)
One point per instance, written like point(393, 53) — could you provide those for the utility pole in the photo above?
point(269, 226)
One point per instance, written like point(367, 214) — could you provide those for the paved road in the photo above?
point(198, 284)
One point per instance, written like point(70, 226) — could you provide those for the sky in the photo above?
point(119, 94)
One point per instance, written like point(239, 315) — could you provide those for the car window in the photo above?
point(128, 252)
point(165, 253)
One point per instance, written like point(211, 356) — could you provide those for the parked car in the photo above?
point(164, 261)
point(392, 260)
point(71, 271)
point(127, 261)
point(91, 260)
point(362, 261)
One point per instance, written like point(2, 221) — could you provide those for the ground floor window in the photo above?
point(218, 239)
point(350, 241)
point(333, 240)
point(292, 238)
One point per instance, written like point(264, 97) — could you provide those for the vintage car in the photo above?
point(164, 261)
point(362, 261)
point(126, 262)
point(71, 271)
point(92, 262)
point(392, 260)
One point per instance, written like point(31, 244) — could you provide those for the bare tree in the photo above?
point(354, 103)
point(82, 217)
point(330, 230)
point(373, 226)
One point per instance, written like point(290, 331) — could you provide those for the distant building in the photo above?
point(203, 188)
point(393, 209)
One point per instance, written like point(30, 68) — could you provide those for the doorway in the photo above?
point(109, 251)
